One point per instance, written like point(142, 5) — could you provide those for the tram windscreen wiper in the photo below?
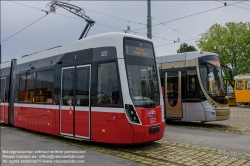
point(141, 101)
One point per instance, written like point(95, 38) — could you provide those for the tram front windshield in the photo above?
point(211, 76)
point(142, 73)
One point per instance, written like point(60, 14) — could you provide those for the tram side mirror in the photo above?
point(231, 74)
point(230, 71)
point(216, 76)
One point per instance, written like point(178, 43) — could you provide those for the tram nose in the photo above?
point(144, 116)
point(152, 127)
point(149, 116)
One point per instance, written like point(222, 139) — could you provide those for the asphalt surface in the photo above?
point(236, 121)
point(185, 143)
point(213, 139)
point(24, 143)
point(240, 113)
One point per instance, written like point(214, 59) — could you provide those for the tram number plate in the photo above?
point(152, 120)
point(154, 129)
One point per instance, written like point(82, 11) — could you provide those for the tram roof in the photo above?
point(99, 40)
point(5, 64)
point(182, 56)
point(242, 77)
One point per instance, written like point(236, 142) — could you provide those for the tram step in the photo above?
point(75, 138)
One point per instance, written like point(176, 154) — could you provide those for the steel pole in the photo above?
point(149, 24)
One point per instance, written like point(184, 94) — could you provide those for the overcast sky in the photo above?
point(54, 30)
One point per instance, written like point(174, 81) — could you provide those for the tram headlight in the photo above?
point(131, 114)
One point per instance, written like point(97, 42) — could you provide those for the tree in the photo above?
point(232, 43)
point(186, 48)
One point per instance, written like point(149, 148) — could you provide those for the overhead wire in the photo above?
point(25, 5)
point(245, 4)
point(188, 39)
point(23, 28)
point(95, 23)
point(234, 5)
point(84, 9)
point(134, 31)
point(115, 17)
point(152, 36)
point(66, 15)
point(47, 12)
point(171, 27)
point(189, 15)
point(175, 42)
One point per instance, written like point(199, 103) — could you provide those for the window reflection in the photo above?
point(45, 87)
point(193, 86)
point(108, 91)
point(82, 86)
point(26, 89)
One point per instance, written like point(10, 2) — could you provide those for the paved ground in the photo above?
point(236, 121)
point(157, 153)
point(240, 112)
point(239, 122)
point(211, 144)
point(21, 141)
point(212, 139)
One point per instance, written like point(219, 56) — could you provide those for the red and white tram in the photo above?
point(103, 88)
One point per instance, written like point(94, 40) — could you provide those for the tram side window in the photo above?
point(172, 87)
point(193, 86)
point(247, 85)
point(44, 92)
point(108, 91)
point(1, 95)
point(26, 90)
point(2, 91)
point(239, 85)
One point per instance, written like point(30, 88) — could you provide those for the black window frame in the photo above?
point(155, 61)
point(35, 84)
point(183, 70)
point(5, 90)
point(19, 86)
point(236, 85)
point(94, 103)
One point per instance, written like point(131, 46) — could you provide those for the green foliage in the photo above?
point(186, 48)
point(232, 43)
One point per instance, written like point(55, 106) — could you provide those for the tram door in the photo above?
point(173, 102)
point(75, 105)
point(2, 99)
